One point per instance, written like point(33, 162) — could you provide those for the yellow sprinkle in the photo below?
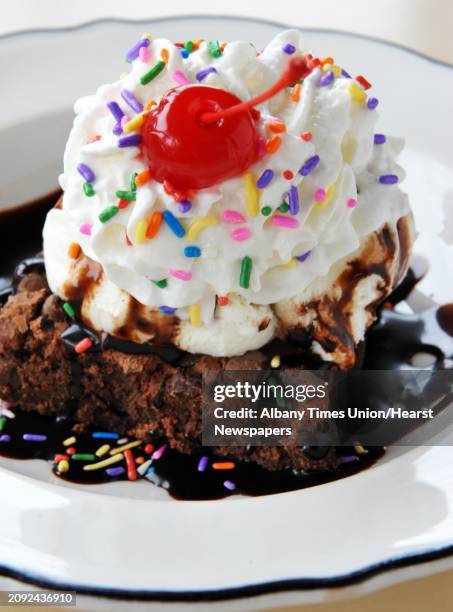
point(105, 463)
point(134, 124)
point(140, 231)
point(357, 93)
point(69, 441)
point(63, 466)
point(359, 449)
point(195, 315)
point(289, 264)
point(275, 361)
point(251, 195)
point(348, 147)
point(120, 449)
point(198, 225)
point(102, 450)
point(333, 68)
point(329, 193)
point(148, 36)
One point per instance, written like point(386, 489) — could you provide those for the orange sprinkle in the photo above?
point(74, 250)
point(128, 242)
point(149, 105)
point(139, 460)
point(71, 450)
point(327, 60)
point(142, 178)
point(154, 224)
point(273, 144)
point(222, 300)
point(295, 94)
point(164, 55)
point(94, 138)
point(122, 204)
point(307, 136)
point(222, 46)
point(83, 346)
point(224, 465)
point(277, 127)
point(197, 43)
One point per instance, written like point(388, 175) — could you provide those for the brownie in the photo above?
point(131, 394)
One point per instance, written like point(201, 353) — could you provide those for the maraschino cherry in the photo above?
point(199, 136)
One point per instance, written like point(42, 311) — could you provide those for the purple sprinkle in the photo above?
point(132, 140)
point(34, 437)
point(5, 438)
point(86, 172)
point(117, 129)
point(303, 257)
point(115, 471)
point(204, 73)
point(388, 179)
point(379, 139)
point(185, 206)
point(346, 74)
point(310, 165)
point(265, 179)
point(133, 53)
point(116, 111)
point(293, 198)
point(372, 103)
point(289, 49)
point(326, 79)
point(203, 464)
point(130, 99)
point(348, 458)
point(229, 485)
point(167, 310)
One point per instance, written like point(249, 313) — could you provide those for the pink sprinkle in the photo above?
point(233, 216)
point(124, 120)
point(241, 233)
point(180, 78)
point(86, 229)
point(320, 195)
point(351, 203)
point(261, 147)
point(4, 405)
point(143, 54)
point(184, 275)
point(159, 452)
point(284, 221)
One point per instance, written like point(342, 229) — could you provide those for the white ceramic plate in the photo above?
point(129, 539)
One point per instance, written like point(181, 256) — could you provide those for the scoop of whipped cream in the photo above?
point(332, 184)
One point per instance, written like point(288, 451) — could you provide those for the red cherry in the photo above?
point(187, 154)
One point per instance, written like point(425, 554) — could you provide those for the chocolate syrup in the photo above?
point(391, 343)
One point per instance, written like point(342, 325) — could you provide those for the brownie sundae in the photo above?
point(222, 208)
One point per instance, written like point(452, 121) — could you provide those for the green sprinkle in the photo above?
point(88, 190)
point(246, 271)
point(162, 283)
point(189, 46)
point(283, 207)
point(214, 49)
point(266, 211)
point(152, 73)
point(108, 213)
point(2, 423)
point(69, 310)
point(126, 195)
point(83, 457)
point(133, 185)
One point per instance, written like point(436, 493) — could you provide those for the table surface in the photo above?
point(423, 25)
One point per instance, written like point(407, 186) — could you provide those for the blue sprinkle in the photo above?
point(229, 485)
point(105, 434)
point(293, 198)
point(289, 49)
point(326, 79)
point(130, 99)
point(86, 172)
point(5, 438)
point(379, 139)
point(167, 310)
point(310, 165)
point(192, 251)
point(388, 179)
point(117, 129)
point(346, 74)
point(185, 206)
point(115, 471)
point(34, 437)
point(372, 103)
point(265, 179)
point(204, 73)
point(116, 111)
point(203, 463)
point(151, 470)
point(173, 224)
point(132, 140)
point(303, 257)
point(133, 53)
point(184, 53)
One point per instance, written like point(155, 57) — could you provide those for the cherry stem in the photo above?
point(295, 70)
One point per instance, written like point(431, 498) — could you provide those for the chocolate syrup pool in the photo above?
point(393, 342)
